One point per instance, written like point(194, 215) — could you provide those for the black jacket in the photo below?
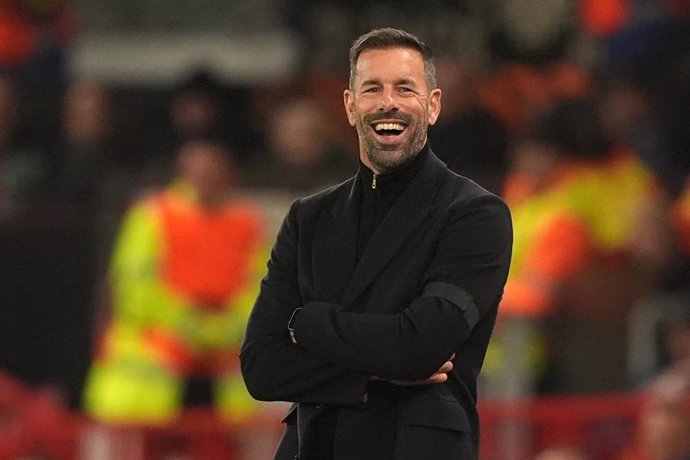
point(427, 285)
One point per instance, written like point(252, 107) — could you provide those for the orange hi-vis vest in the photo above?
point(206, 254)
point(183, 280)
point(587, 214)
point(551, 241)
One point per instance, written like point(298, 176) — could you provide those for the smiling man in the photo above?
point(382, 291)
point(391, 101)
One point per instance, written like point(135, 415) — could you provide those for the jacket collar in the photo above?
point(335, 242)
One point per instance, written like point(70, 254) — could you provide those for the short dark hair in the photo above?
point(392, 38)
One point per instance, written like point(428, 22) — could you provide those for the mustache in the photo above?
point(391, 114)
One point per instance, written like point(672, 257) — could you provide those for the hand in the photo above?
point(440, 376)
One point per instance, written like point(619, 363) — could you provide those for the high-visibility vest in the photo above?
point(587, 213)
point(185, 279)
point(206, 255)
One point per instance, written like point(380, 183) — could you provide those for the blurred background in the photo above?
point(576, 112)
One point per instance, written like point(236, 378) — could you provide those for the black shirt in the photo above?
point(379, 193)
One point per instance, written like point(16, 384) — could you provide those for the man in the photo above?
point(382, 291)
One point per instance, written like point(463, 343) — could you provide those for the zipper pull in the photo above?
point(373, 182)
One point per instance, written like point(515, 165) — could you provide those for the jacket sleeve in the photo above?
point(274, 368)
point(463, 282)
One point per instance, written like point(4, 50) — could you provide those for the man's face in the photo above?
point(392, 106)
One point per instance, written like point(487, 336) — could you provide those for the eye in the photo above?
point(373, 89)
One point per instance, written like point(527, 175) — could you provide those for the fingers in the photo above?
point(446, 367)
point(440, 376)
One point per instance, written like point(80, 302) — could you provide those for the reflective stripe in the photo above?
point(457, 296)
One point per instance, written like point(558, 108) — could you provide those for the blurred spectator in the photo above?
point(90, 181)
point(469, 139)
point(633, 119)
point(516, 93)
point(199, 107)
point(324, 27)
point(574, 209)
point(660, 335)
point(24, 167)
point(183, 278)
point(664, 422)
point(28, 418)
point(85, 156)
point(561, 453)
point(322, 86)
point(34, 37)
point(646, 44)
point(658, 323)
point(675, 330)
point(546, 36)
point(302, 152)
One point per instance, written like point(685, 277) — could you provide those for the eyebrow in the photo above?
point(376, 81)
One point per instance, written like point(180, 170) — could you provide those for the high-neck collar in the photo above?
point(395, 177)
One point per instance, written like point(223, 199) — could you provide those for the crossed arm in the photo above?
point(338, 352)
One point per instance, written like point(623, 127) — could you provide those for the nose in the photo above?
point(388, 101)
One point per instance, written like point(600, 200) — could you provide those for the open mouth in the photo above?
point(388, 129)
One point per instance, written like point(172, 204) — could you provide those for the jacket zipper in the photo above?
point(373, 182)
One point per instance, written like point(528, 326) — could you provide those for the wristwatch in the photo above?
point(291, 324)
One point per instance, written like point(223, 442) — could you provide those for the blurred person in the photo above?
point(24, 167)
point(183, 277)
point(575, 207)
point(382, 291)
point(93, 174)
point(34, 38)
point(196, 108)
point(467, 137)
point(634, 120)
point(663, 431)
point(675, 330)
point(30, 414)
point(85, 155)
point(547, 36)
point(561, 453)
point(657, 323)
point(516, 93)
point(303, 154)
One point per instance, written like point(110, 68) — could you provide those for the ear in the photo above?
point(434, 104)
point(349, 101)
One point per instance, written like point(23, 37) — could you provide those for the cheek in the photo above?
point(366, 105)
point(354, 112)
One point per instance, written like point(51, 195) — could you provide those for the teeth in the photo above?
point(388, 127)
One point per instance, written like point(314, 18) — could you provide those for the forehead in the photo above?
point(390, 63)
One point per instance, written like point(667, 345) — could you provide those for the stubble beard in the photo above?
point(384, 157)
